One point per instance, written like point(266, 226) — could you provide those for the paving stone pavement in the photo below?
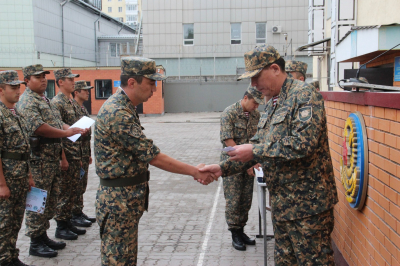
point(174, 230)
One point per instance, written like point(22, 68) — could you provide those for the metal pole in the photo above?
point(265, 232)
point(214, 67)
point(95, 38)
point(62, 29)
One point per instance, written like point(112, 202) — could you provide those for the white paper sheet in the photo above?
point(36, 200)
point(83, 123)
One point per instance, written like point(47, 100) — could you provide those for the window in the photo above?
point(131, 18)
point(119, 0)
point(110, 9)
point(261, 32)
point(188, 34)
point(121, 19)
point(115, 49)
point(109, 0)
point(103, 88)
point(51, 89)
point(131, 7)
point(236, 33)
point(119, 9)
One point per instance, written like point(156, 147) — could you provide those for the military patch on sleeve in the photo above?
point(305, 113)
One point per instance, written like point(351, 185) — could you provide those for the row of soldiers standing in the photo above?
point(35, 152)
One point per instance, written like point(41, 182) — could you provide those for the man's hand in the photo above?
point(203, 178)
point(31, 182)
point(4, 192)
point(87, 131)
point(73, 131)
point(250, 171)
point(242, 153)
point(213, 169)
point(90, 160)
point(64, 165)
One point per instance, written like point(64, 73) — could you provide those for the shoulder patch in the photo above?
point(305, 113)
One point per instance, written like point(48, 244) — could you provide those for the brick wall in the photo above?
point(370, 236)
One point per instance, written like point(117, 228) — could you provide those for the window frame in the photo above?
point(50, 81)
point(120, 9)
point(265, 39)
point(232, 39)
point(131, 7)
point(133, 16)
point(96, 89)
point(109, 9)
point(187, 40)
point(117, 49)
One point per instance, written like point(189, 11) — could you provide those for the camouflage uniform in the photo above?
point(14, 138)
point(122, 153)
point(45, 159)
point(77, 207)
point(238, 188)
point(292, 146)
point(69, 113)
point(296, 66)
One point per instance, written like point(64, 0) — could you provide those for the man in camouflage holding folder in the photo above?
point(123, 154)
point(291, 144)
point(15, 177)
point(46, 130)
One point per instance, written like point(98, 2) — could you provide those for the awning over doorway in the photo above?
point(306, 46)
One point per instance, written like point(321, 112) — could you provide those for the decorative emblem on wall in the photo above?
point(354, 161)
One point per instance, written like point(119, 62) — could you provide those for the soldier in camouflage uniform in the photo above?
point(81, 94)
point(15, 177)
point(71, 160)
point(123, 154)
point(292, 146)
point(297, 69)
point(238, 125)
point(46, 129)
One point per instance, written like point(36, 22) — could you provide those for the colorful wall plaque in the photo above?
point(354, 161)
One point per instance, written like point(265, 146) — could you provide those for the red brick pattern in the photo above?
point(370, 236)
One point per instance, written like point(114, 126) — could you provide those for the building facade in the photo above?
point(209, 38)
point(127, 11)
point(57, 33)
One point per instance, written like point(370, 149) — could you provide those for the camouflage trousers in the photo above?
point(11, 216)
point(238, 192)
point(77, 207)
point(118, 210)
point(304, 241)
point(69, 191)
point(47, 177)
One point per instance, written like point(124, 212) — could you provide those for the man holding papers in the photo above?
point(46, 129)
point(15, 177)
point(71, 160)
point(238, 125)
point(81, 94)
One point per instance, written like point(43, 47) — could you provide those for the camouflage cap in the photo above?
point(81, 85)
point(33, 70)
point(298, 66)
point(64, 73)
point(315, 84)
point(257, 95)
point(256, 59)
point(140, 66)
point(10, 77)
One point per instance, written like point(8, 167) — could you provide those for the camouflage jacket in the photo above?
point(236, 126)
point(14, 137)
point(36, 112)
point(86, 151)
point(292, 145)
point(120, 147)
point(69, 113)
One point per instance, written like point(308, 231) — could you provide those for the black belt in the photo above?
point(49, 140)
point(15, 156)
point(125, 182)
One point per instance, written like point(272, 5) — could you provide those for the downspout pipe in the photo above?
point(95, 38)
point(62, 28)
point(122, 26)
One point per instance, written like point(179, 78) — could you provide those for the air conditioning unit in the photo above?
point(276, 29)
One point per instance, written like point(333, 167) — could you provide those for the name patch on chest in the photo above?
point(305, 113)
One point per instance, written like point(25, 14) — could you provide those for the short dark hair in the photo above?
point(73, 93)
point(249, 96)
point(58, 85)
point(280, 62)
point(298, 74)
point(124, 79)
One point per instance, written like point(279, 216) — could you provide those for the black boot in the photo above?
point(56, 245)
point(91, 219)
point(40, 249)
point(76, 230)
point(64, 232)
point(17, 262)
point(78, 220)
point(245, 238)
point(237, 242)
